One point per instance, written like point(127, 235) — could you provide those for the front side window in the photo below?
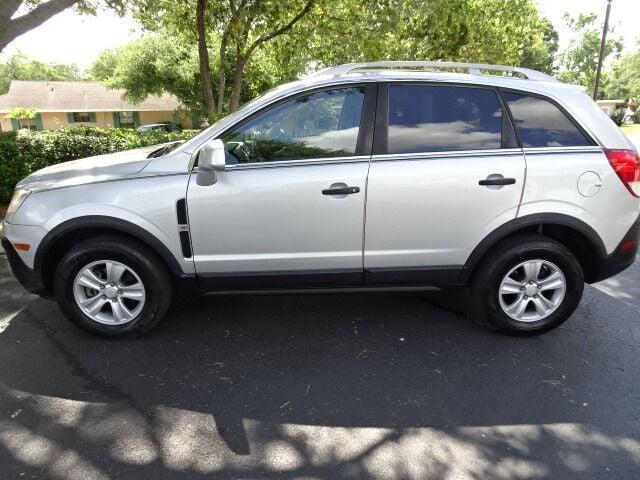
point(541, 124)
point(126, 120)
point(319, 125)
point(424, 118)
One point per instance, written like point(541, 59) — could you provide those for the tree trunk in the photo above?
point(10, 29)
point(203, 54)
point(221, 74)
point(238, 73)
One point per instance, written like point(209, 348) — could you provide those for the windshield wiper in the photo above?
point(165, 149)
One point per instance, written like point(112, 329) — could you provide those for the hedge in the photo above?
point(24, 151)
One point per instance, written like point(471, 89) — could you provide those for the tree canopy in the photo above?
point(259, 43)
point(19, 67)
point(580, 60)
point(624, 78)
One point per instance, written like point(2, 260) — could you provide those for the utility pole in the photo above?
point(603, 44)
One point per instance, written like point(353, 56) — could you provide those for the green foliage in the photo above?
point(152, 65)
point(20, 67)
point(493, 31)
point(18, 112)
point(580, 61)
point(624, 78)
point(24, 152)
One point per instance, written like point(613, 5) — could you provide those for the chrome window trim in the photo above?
point(551, 150)
point(446, 154)
point(297, 163)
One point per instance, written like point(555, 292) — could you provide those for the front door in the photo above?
point(446, 171)
point(288, 211)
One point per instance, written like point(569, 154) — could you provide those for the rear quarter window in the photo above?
point(540, 123)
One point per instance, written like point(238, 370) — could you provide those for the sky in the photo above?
point(73, 38)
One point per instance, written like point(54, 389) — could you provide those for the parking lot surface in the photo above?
point(388, 386)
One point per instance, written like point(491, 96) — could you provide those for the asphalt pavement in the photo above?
point(384, 386)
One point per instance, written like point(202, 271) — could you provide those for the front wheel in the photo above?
point(112, 286)
point(529, 284)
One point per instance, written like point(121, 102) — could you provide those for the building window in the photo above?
point(126, 120)
point(81, 117)
point(28, 123)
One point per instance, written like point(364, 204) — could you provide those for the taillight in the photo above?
point(626, 164)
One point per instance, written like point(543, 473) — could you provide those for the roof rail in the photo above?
point(471, 68)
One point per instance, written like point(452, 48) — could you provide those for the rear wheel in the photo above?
point(530, 284)
point(113, 286)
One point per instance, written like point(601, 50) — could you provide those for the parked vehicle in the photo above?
point(164, 127)
point(364, 176)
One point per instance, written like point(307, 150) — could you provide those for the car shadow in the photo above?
point(397, 363)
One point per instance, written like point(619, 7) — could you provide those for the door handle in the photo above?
point(340, 191)
point(499, 181)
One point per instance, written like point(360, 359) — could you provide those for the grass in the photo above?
point(3, 208)
point(635, 128)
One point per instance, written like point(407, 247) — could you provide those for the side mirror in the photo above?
point(211, 158)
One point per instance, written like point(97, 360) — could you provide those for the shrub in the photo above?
point(24, 152)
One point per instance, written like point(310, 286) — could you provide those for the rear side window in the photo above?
point(541, 124)
point(425, 118)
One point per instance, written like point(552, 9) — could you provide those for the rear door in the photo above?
point(446, 171)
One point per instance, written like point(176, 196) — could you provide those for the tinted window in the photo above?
point(541, 124)
point(323, 124)
point(435, 119)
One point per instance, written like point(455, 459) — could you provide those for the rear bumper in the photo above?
point(623, 256)
point(27, 277)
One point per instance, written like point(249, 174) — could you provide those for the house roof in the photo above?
point(49, 96)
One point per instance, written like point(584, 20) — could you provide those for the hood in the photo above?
point(100, 168)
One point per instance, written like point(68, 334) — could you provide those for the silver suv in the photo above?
point(362, 176)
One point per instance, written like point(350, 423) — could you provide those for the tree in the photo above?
point(203, 56)
point(37, 12)
point(623, 80)
point(579, 62)
point(152, 65)
point(260, 43)
point(11, 28)
point(256, 23)
point(242, 26)
point(19, 67)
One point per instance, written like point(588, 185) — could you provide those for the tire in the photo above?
point(525, 253)
point(144, 280)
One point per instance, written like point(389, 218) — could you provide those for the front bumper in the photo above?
point(27, 277)
point(623, 256)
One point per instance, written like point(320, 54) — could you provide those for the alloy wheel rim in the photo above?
point(109, 292)
point(532, 290)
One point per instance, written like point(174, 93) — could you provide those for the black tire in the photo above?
point(147, 265)
point(486, 308)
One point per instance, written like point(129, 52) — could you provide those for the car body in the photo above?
point(364, 176)
point(163, 127)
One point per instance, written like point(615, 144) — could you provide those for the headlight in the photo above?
point(19, 196)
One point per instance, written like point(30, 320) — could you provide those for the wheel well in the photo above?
point(61, 245)
point(582, 247)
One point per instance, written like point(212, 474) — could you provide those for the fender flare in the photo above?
point(112, 223)
point(527, 221)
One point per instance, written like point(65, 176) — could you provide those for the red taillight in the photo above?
point(626, 164)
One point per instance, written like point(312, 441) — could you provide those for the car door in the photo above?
point(288, 210)
point(446, 171)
